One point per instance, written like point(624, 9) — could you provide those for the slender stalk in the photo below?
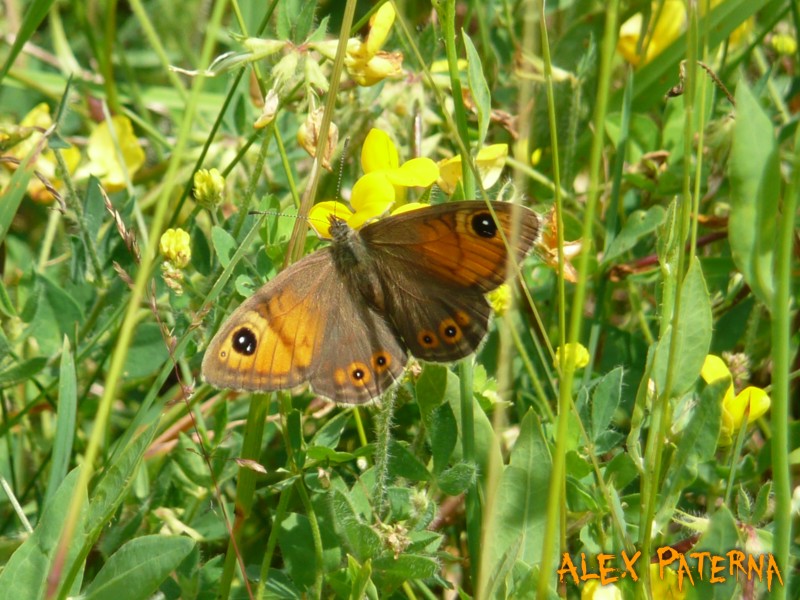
point(662, 409)
point(246, 484)
point(300, 225)
point(383, 439)
point(473, 501)
point(781, 357)
point(554, 499)
point(447, 19)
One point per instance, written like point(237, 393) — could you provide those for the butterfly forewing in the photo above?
point(458, 243)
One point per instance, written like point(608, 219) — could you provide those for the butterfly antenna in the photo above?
point(416, 140)
point(345, 147)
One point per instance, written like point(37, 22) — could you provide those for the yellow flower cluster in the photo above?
point(734, 405)
point(209, 185)
point(379, 188)
point(566, 352)
point(176, 247)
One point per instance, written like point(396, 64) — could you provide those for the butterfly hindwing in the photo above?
point(304, 325)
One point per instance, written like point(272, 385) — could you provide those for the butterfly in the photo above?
point(345, 317)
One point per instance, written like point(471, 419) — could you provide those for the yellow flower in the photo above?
point(669, 587)
point(176, 246)
point(379, 155)
point(784, 44)
point(209, 185)
point(733, 407)
point(371, 197)
point(500, 299)
point(377, 191)
point(573, 348)
point(594, 591)
point(409, 206)
point(308, 136)
point(490, 162)
point(366, 63)
point(671, 21)
point(107, 144)
point(26, 137)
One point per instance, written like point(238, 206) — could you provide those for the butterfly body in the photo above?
point(345, 317)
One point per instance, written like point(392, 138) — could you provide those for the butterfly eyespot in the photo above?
point(450, 331)
point(244, 341)
point(462, 318)
point(484, 225)
point(427, 339)
point(359, 374)
point(381, 361)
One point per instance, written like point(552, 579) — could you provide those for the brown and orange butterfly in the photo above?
point(345, 317)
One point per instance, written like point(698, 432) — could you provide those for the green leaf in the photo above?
point(762, 503)
point(697, 444)
point(360, 576)
point(148, 352)
point(605, 400)
point(116, 480)
point(6, 306)
point(440, 423)
point(478, 88)
point(755, 192)
point(224, 245)
point(431, 388)
point(643, 135)
point(297, 549)
point(329, 454)
point(639, 224)
point(487, 445)
point(393, 571)
point(404, 464)
point(362, 541)
point(67, 314)
point(37, 11)
point(693, 338)
point(14, 192)
point(330, 433)
point(139, 567)
point(25, 574)
point(65, 420)
point(720, 537)
point(94, 209)
point(188, 460)
point(457, 478)
point(19, 372)
point(518, 519)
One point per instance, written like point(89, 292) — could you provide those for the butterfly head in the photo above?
point(339, 229)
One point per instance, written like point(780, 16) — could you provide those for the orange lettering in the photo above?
point(604, 570)
point(772, 566)
point(567, 566)
point(586, 575)
point(629, 564)
point(700, 557)
point(683, 569)
point(716, 568)
point(662, 563)
point(736, 557)
point(753, 566)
